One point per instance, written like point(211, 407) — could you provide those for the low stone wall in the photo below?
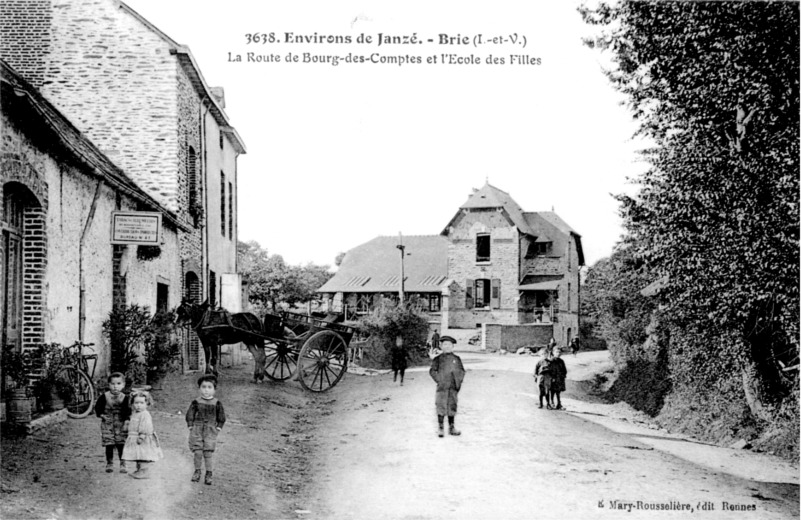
point(512, 337)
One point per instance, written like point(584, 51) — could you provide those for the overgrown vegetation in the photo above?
point(142, 347)
point(715, 87)
point(385, 324)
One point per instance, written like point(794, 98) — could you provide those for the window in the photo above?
point(568, 296)
point(222, 140)
point(230, 211)
point(364, 303)
point(191, 178)
point(162, 297)
point(537, 249)
point(568, 258)
point(483, 248)
point(483, 293)
point(434, 302)
point(212, 288)
point(222, 203)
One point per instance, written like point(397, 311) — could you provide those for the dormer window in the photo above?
point(483, 248)
point(538, 249)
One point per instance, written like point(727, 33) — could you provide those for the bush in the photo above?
point(387, 323)
point(141, 346)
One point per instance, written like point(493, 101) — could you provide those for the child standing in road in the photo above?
point(113, 409)
point(205, 419)
point(399, 359)
point(142, 444)
point(559, 376)
point(544, 373)
point(448, 372)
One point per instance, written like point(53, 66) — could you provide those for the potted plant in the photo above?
point(16, 370)
point(162, 350)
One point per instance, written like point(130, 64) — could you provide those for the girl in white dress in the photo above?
point(142, 444)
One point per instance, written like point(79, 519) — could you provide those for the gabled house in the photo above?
point(511, 267)
point(493, 265)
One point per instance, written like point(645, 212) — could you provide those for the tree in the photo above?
point(715, 86)
point(272, 281)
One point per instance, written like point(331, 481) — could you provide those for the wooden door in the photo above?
point(12, 272)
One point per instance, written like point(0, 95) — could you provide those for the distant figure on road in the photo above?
point(448, 372)
point(574, 345)
point(559, 377)
point(399, 357)
point(544, 372)
point(435, 340)
point(550, 347)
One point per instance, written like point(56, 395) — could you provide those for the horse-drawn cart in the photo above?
point(284, 346)
point(316, 349)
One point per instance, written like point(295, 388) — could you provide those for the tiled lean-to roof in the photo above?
point(375, 266)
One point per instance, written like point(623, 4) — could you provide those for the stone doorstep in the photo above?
point(46, 421)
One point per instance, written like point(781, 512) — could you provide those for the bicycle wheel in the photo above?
point(79, 392)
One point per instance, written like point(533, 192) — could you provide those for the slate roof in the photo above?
point(22, 100)
point(375, 266)
point(491, 197)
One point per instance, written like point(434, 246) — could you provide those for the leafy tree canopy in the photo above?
point(715, 85)
point(273, 281)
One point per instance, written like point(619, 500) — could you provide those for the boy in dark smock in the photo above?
point(205, 419)
point(448, 372)
point(559, 378)
point(113, 408)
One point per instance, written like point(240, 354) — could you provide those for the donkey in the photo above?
point(220, 327)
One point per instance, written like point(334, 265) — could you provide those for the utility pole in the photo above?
point(402, 254)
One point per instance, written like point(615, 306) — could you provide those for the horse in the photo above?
point(215, 327)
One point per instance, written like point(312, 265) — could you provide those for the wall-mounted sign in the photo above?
point(136, 228)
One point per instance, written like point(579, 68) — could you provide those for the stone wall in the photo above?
point(512, 337)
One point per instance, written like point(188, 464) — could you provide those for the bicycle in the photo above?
point(75, 376)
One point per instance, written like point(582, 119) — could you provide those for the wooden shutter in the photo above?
point(495, 297)
point(468, 301)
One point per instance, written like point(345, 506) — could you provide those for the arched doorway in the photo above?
point(22, 253)
point(192, 293)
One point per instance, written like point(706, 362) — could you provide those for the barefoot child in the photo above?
point(448, 372)
point(114, 410)
point(205, 418)
point(142, 444)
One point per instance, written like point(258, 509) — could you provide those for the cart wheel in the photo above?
point(281, 362)
point(323, 361)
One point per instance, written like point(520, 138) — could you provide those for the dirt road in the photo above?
point(368, 449)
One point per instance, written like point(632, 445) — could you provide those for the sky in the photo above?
point(337, 155)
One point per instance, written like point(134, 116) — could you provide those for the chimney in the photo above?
point(219, 95)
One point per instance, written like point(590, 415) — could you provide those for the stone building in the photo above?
point(513, 274)
point(142, 99)
point(60, 272)
point(510, 267)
